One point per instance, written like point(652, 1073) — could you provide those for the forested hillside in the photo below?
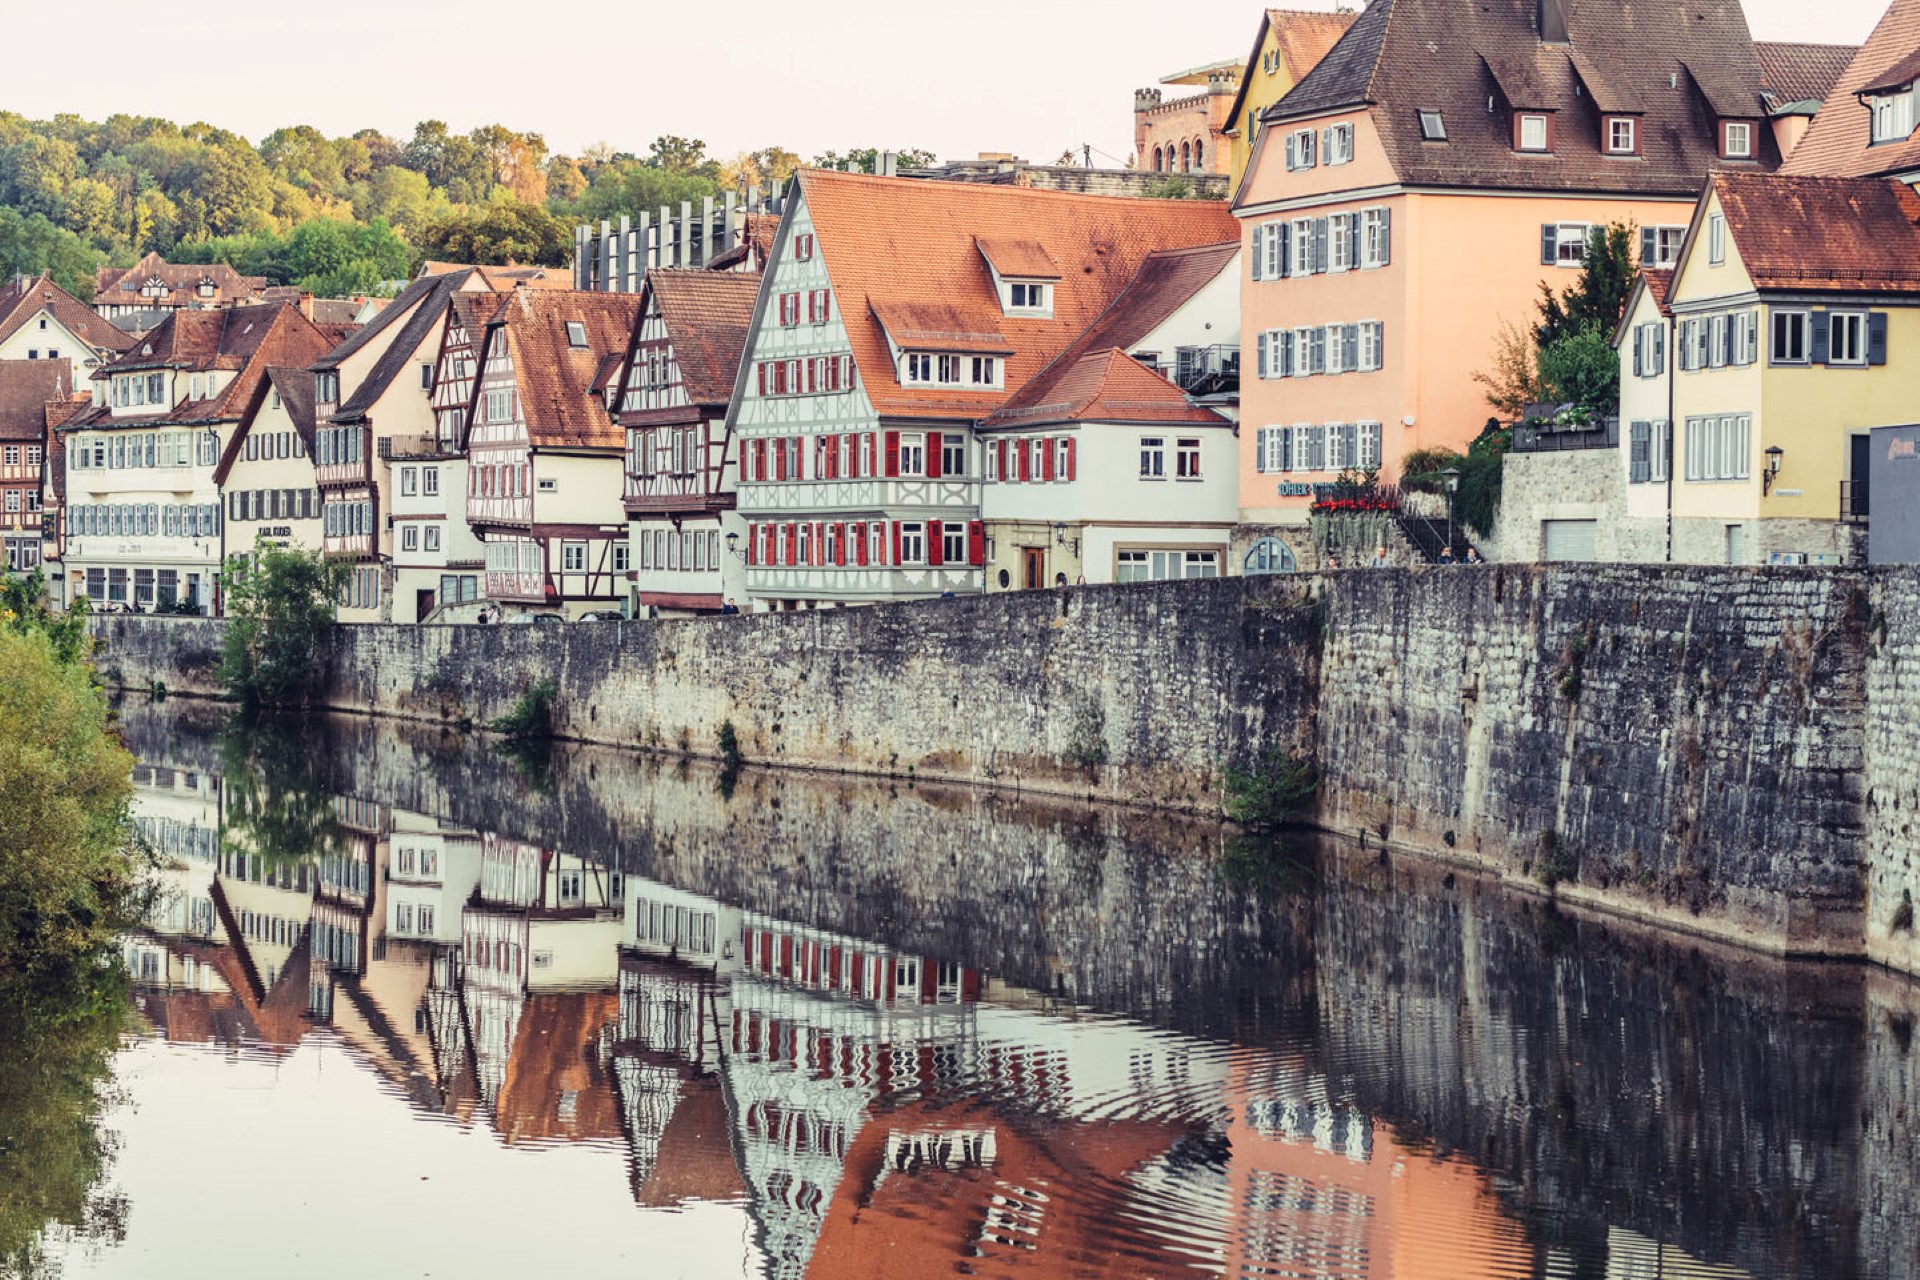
point(334, 215)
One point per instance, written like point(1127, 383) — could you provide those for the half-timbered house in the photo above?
point(26, 388)
point(544, 458)
point(686, 543)
point(875, 350)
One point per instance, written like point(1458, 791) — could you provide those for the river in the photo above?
point(414, 1007)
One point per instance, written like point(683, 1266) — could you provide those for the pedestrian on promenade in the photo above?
point(1473, 555)
point(1379, 560)
point(1446, 556)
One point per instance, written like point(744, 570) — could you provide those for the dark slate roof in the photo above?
point(1792, 73)
point(1679, 67)
point(707, 315)
point(1820, 234)
point(295, 386)
point(26, 386)
point(432, 294)
point(1839, 143)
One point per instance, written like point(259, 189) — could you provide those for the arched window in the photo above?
point(1186, 158)
point(1157, 160)
point(1199, 155)
point(1269, 555)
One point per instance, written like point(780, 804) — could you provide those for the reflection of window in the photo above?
point(572, 888)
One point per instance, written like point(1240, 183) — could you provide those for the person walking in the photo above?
point(1379, 560)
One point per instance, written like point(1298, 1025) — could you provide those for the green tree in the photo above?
point(276, 807)
point(498, 232)
point(35, 173)
point(32, 244)
point(1597, 298)
point(281, 604)
point(677, 155)
point(867, 159)
point(1582, 369)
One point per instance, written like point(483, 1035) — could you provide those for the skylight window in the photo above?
point(576, 334)
point(1432, 127)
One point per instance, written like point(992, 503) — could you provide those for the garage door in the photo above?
point(1571, 539)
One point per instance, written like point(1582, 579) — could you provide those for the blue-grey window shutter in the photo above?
point(1285, 232)
point(1817, 339)
point(1639, 351)
point(1659, 350)
point(1380, 350)
point(1641, 452)
point(1320, 244)
point(1386, 235)
point(1293, 151)
point(1549, 244)
point(1326, 145)
point(1260, 354)
point(1876, 337)
point(1286, 354)
point(1259, 251)
point(1649, 247)
point(1353, 240)
point(1350, 359)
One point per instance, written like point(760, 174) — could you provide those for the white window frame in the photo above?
point(1742, 129)
point(1615, 124)
point(1803, 326)
point(1857, 322)
point(1716, 239)
point(573, 557)
point(1530, 134)
point(1340, 241)
point(1153, 457)
point(1571, 237)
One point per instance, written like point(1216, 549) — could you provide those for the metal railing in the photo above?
point(1542, 437)
point(1853, 502)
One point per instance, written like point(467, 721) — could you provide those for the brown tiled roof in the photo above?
point(555, 377)
point(941, 326)
point(26, 387)
point(246, 340)
point(1303, 38)
point(1792, 73)
point(1839, 142)
point(1659, 284)
point(912, 241)
point(117, 287)
point(1811, 234)
point(1101, 386)
point(707, 315)
point(1166, 281)
point(1020, 259)
point(27, 296)
point(1678, 66)
point(501, 279)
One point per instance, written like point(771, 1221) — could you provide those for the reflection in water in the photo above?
point(898, 1032)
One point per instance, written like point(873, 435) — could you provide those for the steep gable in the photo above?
point(562, 382)
point(1839, 143)
point(1823, 234)
point(28, 296)
point(707, 315)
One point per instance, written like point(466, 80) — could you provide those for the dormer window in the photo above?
point(206, 288)
point(1432, 127)
point(1892, 115)
point(1621, 136)
point(1029, 297)
point(326, 387)
point(1736, 140)
point(926, 369)
point(1532, 131)
point(576, 335)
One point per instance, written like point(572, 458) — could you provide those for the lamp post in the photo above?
point(1452, 477)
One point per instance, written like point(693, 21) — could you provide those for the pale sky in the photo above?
point(1028, 76)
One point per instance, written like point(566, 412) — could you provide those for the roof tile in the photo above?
point(1816, 234)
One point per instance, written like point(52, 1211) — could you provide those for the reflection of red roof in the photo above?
point(554, 1089)
point(696, 1156)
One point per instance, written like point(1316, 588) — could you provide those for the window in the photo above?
point(1164, 566)
point(1622, 136)
point(986, 371)
point(1893, 115)
point(1186, 459)
point(408, 481)
point(1649, 350)
point(621, 554)
point(919, 368)
point(432, 538)
point(913, 455)
point(913, 543)
point(803, 247)
point(1736, 140)
point(430, 481)
point(1432, 127)
point(1660, 246)
point(1301, 239)
point(326, 387)
point(1153, 458)
point(953, 543)
point(1717, 447)
point(576, 334)
point(1340, 144)
point(498, 405)
point(1564, 244)
point(953, 455)
point(1650, 446)
point(1530, 132)
point(1716, 239)
point(573, 557)
point(1027, 297)
point(410, 537)
point(1374, 227)
point(1340, 241)
point(1300, 149)
point(1847, 337)
point(1790, 337)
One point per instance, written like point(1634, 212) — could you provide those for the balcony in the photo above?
point(1853, 502)
point(1543, 436)
point(1203, 371)
point(411, 448)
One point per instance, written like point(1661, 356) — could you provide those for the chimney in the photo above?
point(1553, 21)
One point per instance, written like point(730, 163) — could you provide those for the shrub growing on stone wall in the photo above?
point(1272, 791)
point(531, 719)
point(280, 606)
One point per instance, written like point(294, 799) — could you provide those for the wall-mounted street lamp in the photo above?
point(1772, 469)
point(1060, 538)
point(733, 542)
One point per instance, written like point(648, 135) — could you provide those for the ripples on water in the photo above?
point(833, 1029)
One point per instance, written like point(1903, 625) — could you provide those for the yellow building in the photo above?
point(1290, 43)
point(1796, 314)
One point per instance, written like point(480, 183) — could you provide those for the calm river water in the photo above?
point(415, 1008)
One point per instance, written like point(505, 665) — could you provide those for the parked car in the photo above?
point(533, 619)
point(602, 615)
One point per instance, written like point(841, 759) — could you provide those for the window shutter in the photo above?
point(1260, 348)
point(1876, 337)
point(1351, 360)
point(840, 546)
point(1259, 250)
point(1639, 436)
point(1639, 351)
point(1306, 149)
point(1285, 233)
point(1287, 354)
point(1000, 447)
point(1353, 240)
point(894, 525)
point(1046, 459)
point(1293, 153)
point(1319, 244)
point(1071, 449)
point(1659, 349)
point(976, 542)
point(1260, 448)
point(1817, 345)
point(934, 442)
point(893, 454)
point(934, 550)
point(1379, 348)
point(1649, 247)
point(1326, 145)
point(1549, 244)
point(1386, 235)
point(859, 535)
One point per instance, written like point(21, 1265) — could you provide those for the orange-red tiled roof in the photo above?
point(942, 326)
point(1102, 386)
point(914, 242)
point(707, 315)
point(1659, 283)
point(1839, 143)
point(1303, 37)
point(1020, 259)
point(1852, 234)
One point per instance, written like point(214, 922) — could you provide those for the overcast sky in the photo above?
point(1029, 76)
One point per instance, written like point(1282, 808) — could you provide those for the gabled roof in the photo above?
point(1019, 259)
point(1677, 66)
point(1101, 386)
point(557, 380)
point(121, 286)
point(1839, 143)
point(501, 279)
point(26, 387)
point(707, 315)
point(1166, 281)
point(1792, 74)
point(27, 296)
point(901, 248)
point(940, 326)
point(243, 340)
point(1655, 282)
point(295, 386)
point(416, 312)
point(1824, 234)
point(1303, 38)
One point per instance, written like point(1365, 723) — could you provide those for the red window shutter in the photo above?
point(840, 544)
point(761, 369)
point(793, 544)
point(976, 542)
point(893, 454)
point(759, 459)
point(859, 536)
point(819, 542)
point(1070, 452)
point(1000, 460)
point(896, 541)
point(779, 460)
point(934, 548)
point(933, 454)
point(743, 459)
point(1046, 458)
point(833, 457)
point(1025, 457)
